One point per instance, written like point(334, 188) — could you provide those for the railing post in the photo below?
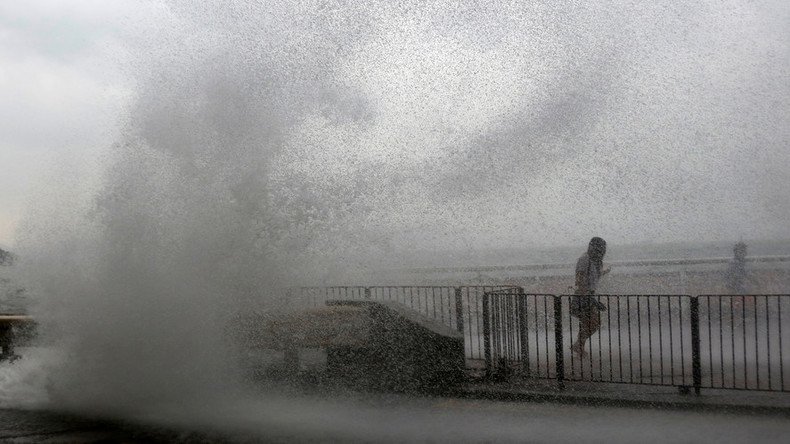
point(459, 311)
point(558, 352)
point(696, 369)
point(487, 335)
point(521, 306)
point(367, 292)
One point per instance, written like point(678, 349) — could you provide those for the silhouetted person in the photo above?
point(736, 275)
point(589, 269)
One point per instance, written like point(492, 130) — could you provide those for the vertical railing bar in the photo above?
point(732, 337)
point(498, 329)
point(451, 301)
point(479, 309)
point(695, 346)
point(501, 329)
point(449, 294)
point(781, 359)
point(508, 321)
point(559, 354)
point(514, 321)
point(682, 352)
point(639, 335)
point(721, 342)
point(487, 336)
point(496, 304)
point(505, 320)
point(523, 339)
point(427, 308)
point(619, 342)
point(546, 334)
point(710, 338)
point(433, 298)
point(515, 334)
point(570, 339)
point(671, 342)
point(600, 347)
point(745, 362)
point(768, 338)
point(756, 343)
point(459, 311)
point(650, 338)
point(519, 307)
point(537, 339)
point(660, 343)
point(516, 328)
point(475, 327)
point(630, 340)
point(609, 335)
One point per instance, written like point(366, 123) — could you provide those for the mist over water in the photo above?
point(274, 143)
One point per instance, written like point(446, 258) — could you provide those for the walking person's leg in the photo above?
point(589, 323)
point(581, 337)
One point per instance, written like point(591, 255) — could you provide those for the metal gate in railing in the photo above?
point(519, 333)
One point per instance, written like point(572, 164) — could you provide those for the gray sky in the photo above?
point(61, 90)
point(470, 124)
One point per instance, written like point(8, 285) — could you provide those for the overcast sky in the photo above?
point(484, 123)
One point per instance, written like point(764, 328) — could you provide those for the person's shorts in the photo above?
point(584, 306)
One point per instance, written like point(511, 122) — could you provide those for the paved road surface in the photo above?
point(395, 419)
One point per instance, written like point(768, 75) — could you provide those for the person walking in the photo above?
point(589, 269)
point(736, 275)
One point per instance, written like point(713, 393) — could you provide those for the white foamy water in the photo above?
point(25, 383)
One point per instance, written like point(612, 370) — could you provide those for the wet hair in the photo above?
point(596, 250)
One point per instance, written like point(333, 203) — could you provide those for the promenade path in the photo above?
point(355, 417)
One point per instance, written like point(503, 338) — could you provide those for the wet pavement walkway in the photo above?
point(628, 395)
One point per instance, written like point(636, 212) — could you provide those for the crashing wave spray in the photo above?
point(275, 141)
point(182, 232)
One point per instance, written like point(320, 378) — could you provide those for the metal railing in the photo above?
point(642, 339)
point(741, 342)
point(459, 307)
point(707, 341)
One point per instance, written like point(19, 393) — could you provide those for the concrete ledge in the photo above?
point(406, 352)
